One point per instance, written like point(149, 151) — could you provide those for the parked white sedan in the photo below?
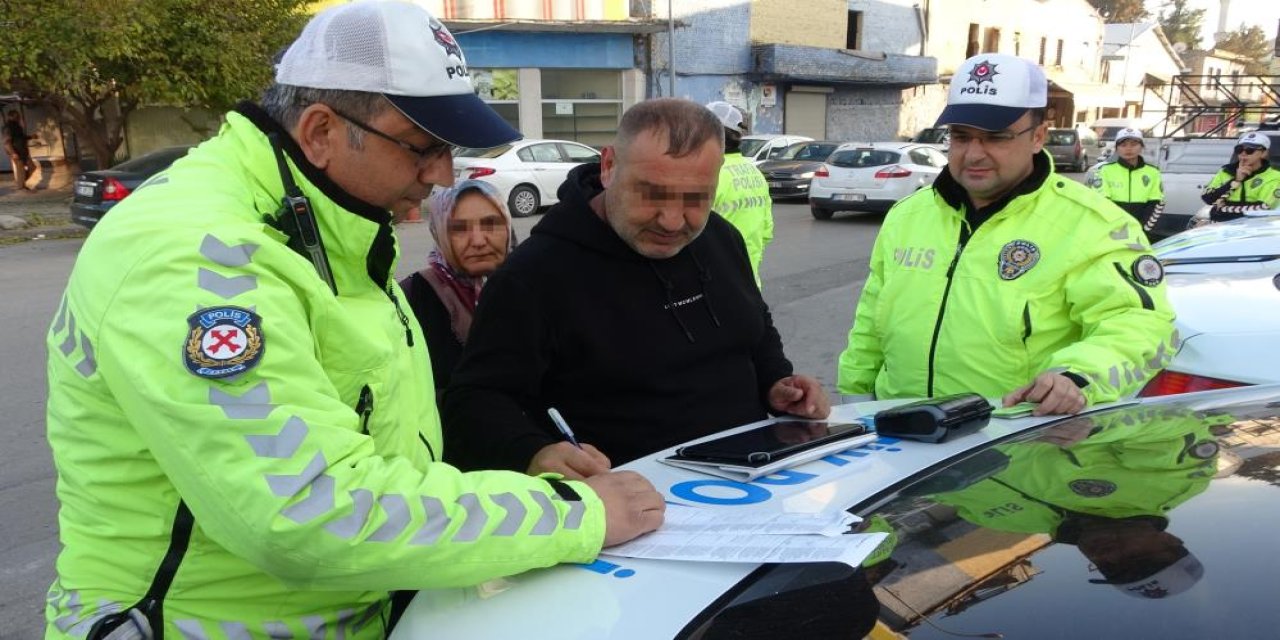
point(527, 173)
point(872, 176)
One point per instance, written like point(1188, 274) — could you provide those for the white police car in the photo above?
point(994, 532)
point(1224, 284)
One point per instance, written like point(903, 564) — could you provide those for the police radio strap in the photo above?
point(297, 221)
point(145, 620)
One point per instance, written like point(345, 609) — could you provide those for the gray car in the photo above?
point(1070, 148)
point(790, 174)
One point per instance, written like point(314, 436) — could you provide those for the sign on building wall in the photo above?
point(768, 95)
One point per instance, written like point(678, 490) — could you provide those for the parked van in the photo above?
point(766, 146)
point(1071, 148)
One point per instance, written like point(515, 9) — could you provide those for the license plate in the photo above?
point(851, 197)
point(775, 185)
point(84, 190)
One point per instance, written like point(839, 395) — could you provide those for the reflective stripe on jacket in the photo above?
point(1047, 283)
point(742, 198)
point(312, 474)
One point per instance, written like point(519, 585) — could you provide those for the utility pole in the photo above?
point(671, 51)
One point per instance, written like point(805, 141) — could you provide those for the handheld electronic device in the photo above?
point(770, 442)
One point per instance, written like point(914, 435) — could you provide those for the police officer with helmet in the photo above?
point(742, 195)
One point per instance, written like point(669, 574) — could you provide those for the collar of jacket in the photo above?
point(957, 198)
point(343, 218)
point(1132, 167)
point(1232, 167)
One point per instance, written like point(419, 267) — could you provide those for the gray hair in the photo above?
point(285, 104)
point(688, 125)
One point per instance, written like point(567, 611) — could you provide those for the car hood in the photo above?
point(1242, 241)
point(1159, 523)
point(789, 166)
point(620, 598)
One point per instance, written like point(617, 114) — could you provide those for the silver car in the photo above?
point(872, 176)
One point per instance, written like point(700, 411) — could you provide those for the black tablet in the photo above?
point(764, 444)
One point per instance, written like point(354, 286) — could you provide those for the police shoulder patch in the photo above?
point(1257, 182)
point(1147, 270)
point(1146, 181)
point(1093, 488)
point(1017, 258)
point(223, 341)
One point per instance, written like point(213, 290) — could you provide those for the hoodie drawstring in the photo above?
point(704, 276)
point(668, 288)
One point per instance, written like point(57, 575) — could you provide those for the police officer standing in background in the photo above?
point(1130, 182)
point(742, 195)
point(1248, 184)
point(1004, 278)
point(241, 410)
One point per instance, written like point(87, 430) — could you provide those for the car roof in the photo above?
point(1245, 240)
point(894, 145)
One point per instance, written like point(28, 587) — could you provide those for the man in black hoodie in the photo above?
point(631, 309)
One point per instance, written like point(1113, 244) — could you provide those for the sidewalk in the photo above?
point(46, 212)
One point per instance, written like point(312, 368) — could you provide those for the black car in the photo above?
point(790, 173)
point(97, 191)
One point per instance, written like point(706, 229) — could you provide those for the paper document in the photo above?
point(850, 549)
point(692, 520)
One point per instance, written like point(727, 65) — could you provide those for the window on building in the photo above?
point(1057, 59)
point(991, 41)
point(971, 49)
point(1044, 44)
point(1017, 43)
point(1106, 72)
point(853, 34)
point(583, 105)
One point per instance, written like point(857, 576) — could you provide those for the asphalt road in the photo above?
point(812, 274)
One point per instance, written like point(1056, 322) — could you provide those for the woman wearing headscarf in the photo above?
point(473, 235)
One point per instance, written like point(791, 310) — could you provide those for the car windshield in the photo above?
point(854, 158)
point(808, 151)
point(1061, 137)
point(933, 135)
point(750, 146)
point(153, 162)
point(492, 152)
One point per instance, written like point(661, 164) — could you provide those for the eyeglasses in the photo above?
point(425, 155)
point(489, 225)
point(997, 139)
point(1248, 150)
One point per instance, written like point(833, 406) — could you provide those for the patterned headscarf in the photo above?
point(440, 207)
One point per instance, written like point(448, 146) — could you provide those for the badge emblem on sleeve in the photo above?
point(1148, 271)
point(1017, 258)
point(223, 341)
point(1093, 488)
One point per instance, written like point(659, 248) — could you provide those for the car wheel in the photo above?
point(820, 213)
point(523, 201)
point(1084, 163)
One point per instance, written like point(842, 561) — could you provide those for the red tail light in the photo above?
point(1078, 147)
point(822, 172)
point(1171, 382)
point(477, 172)
point(112, 190)
point(893, 171)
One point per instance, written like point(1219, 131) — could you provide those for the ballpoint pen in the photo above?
point(563, 426)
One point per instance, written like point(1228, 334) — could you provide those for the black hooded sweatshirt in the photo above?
point(638, 355)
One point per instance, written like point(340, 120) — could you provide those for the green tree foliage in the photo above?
point(95, 61)
point(1250, 42)
point(1182, 24)
point(1121, 11)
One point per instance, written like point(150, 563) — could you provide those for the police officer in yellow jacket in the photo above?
point(240, 406)
point(742, 195)
point(1005, 278)
point(1130, 182)
point(1248, 184)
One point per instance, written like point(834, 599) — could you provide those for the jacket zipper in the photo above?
point(404, 320)
point(364, 407)
point(942, 308)
point(1026, 323)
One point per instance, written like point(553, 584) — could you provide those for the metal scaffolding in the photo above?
point(1212, 106)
